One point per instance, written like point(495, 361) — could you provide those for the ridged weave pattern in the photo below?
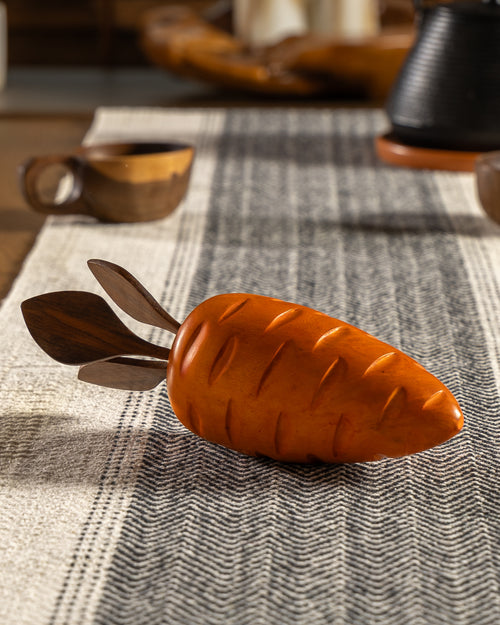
point(114, 514)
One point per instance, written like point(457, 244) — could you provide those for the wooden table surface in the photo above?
point(20, 138)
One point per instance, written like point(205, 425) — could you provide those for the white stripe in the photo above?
point(102, 535)
point(78, 418)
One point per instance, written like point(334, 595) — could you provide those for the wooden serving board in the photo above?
point(181, 41)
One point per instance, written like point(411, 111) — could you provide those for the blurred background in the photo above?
point(74, 56)
point(105, 32)
point(80, 32)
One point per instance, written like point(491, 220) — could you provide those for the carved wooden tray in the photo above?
point(183, 42)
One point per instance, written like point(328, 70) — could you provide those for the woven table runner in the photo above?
point(113, 513)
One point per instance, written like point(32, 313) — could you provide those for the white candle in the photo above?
point(325, 17)
point(265, 22)
point(360, 18)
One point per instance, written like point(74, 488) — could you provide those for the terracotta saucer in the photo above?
point(392, 151)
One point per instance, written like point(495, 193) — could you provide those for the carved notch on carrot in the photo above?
point(256, 374)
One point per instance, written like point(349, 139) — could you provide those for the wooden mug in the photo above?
point(119, 182)
point(488, 183)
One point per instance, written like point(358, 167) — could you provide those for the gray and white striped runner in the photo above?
point(113, 513)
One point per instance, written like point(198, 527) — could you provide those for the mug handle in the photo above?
point(29, 172)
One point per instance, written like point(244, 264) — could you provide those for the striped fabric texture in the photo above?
point(112, 513)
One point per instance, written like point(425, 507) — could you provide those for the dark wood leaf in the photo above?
point(75, 328)
point(129, 294)
point(125, 373)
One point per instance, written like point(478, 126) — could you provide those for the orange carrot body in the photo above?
point(266, 377)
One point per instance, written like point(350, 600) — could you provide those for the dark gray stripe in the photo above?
point(101, 502)
point(213, 537)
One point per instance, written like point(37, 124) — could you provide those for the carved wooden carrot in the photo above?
point(259, 375)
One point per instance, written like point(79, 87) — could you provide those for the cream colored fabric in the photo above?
point(111, 512)
point(59, 449)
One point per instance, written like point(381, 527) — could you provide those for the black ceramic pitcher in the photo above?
point(447, 94)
